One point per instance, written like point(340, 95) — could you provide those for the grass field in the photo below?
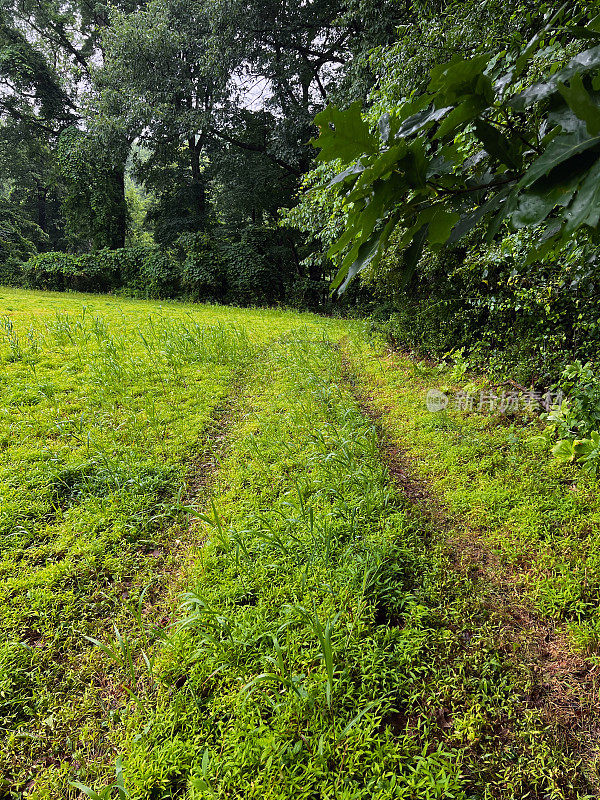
point(239, 558)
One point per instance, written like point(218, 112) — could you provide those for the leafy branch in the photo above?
point(475, 148)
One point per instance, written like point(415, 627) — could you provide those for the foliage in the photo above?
point(514, 319)
point(138, 204)
point(319, 216)
point(149, 272)
point(259, 266)
point(19, 239)
point(172, 99)
point(575, 421)
point(203, 273)
point(474, 148)
point(93, 200)
point(160, 274)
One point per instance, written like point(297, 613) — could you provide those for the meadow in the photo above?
point(240, 558)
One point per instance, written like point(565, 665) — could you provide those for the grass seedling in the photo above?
point(121, 652)
point(324, 635)
point(107, 792)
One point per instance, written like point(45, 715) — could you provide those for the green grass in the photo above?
point(290, 627)
point(540, 519)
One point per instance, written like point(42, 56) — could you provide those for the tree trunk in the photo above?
point(120, 222)
point(42, 219)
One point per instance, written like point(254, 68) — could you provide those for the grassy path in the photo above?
point(349, 597)
point(324, 648)
point(111, 419)
point(525, 530)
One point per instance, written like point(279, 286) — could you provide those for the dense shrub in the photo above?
point(160, 274)
point(526, 320)
point(146, 272)
point(90, 272)
point(203, 272)
point(11, 272)
point(306, 293)
point(259, 266)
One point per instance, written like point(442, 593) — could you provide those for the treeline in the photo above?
point(180, 128)
point(163, 149)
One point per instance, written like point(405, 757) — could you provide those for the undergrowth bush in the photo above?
point(259, 267)
point(575, 420)
point(524, 320)
point(11, 273)
point(203, 272)
point(141, 271)
point(89, 272)
point(254, 266)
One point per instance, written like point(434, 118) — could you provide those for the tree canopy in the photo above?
point(338, 127)
point(479, 144)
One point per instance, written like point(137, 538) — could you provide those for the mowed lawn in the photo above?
point(221, 576)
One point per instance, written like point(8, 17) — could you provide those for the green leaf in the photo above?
point(581, 64)
point(533, 206)
point(380, 167)
point(384, 196)
point(583, 448)
point(352, 230)
point(469, 221)
point(585, 208)
point(507, 207)
point(579, 32)
point(550, 241)
point(580, 102)
point(344, 135)
point(441, 224)
point(365, 254)
point(561, 149)
point(368, 252)
point(465, 112)
point(413, 254)
point(421, 120)
point(86, 790)
point(440, 164)
point(353, 169)
point(453, 81)
point(563, 451)
point(498, 145)
point(414, 165)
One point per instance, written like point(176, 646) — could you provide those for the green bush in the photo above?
point(90, 272)
point(145, 272)
point(52, 270)
point(528, 321)
point(11, 272)
point(160, 274)
point(254, 266)
point(203, 272)
point(306, 293)
point(260, 267)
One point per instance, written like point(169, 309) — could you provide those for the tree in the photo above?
point(226, 80)
point(481, 143)
point(93, 199)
